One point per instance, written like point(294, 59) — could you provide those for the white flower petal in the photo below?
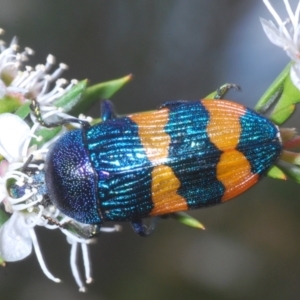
point(273, 33)
point(14, 131)
point(15, 241)
point(272, 11)
point(286, 34)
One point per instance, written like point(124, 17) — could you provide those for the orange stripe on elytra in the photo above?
point(164, 192)
point(234, 171)
point(152, 134)
point(224, 130)
point(224, 127)
point(164, 185)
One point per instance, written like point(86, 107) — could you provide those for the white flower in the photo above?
point(17, 234)
point(14, 137)
point(15, 243)
point(28, 207)
point(22, 81)
point(286, 35)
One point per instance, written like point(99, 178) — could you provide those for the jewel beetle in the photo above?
point(185, 155)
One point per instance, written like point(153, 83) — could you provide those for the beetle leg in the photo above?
point(35, 108)
point(143, 230)
point(223, 89)
point(173, 103)
point(85, 231)
point(107, 110)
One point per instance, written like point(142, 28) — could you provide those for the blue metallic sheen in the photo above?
point(258, 141)
point(70, 179)
point(195, 157)
point(102, 173)
point(123, 169)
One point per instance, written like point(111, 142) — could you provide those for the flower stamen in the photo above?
point(74, 267)
point(86, 263)
point(40, 257)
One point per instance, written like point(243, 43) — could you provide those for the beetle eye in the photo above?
point(32, 184)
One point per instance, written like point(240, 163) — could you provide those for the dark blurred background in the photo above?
point(176, 50)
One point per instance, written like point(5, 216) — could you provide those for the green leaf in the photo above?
point(46, 135)
point(291, 170)
point(9, 104)
point(276, 173)
point(285, 105)
point(273, 91)
point(187, 220)
point(280, 115)
point(99, 91)
point(23, 111)
point(72, 97)
point(3, 217)
point(211, 95)
point(2, 262)
point(67, 101)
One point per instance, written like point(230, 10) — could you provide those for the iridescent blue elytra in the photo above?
point(185, 155)
point(198, 180)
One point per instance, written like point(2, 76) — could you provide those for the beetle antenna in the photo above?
point(35, 108)
point(53, 222)
point(26, 164)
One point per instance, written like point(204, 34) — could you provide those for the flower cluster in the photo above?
point(21, 145)
point(286, 36)
point(285, 90)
